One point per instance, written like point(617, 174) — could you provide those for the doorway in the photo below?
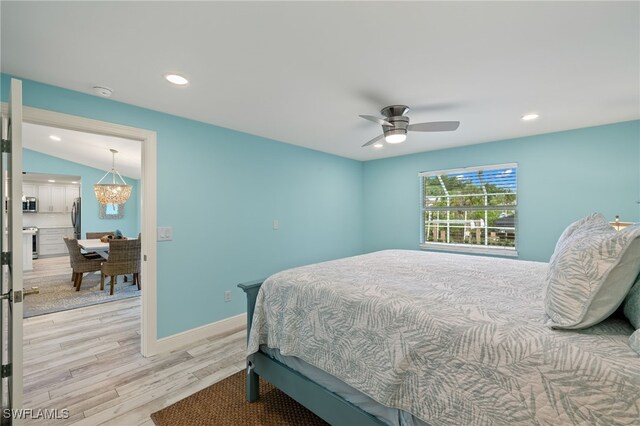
point(148, 202)
point(60, 167)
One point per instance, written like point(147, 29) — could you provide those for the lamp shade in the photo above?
point(111, 193)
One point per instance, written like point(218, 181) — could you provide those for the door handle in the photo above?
point(16, 297)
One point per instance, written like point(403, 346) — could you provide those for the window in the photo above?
point(472, 209)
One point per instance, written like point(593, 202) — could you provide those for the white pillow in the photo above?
point(590, 273)
point(569, 230)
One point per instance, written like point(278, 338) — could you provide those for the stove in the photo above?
point(34, 240)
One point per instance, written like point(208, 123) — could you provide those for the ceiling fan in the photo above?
point(396, 124)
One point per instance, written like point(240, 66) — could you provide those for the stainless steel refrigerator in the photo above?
point(75, 218)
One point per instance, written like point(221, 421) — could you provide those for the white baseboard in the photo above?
point(225, 326)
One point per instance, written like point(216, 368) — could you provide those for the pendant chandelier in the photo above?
point(112, 193)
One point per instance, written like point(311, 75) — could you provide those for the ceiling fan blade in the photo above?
point(374, 140)
point(377, 120)
point(434, 126)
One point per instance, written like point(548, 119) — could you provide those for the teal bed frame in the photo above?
point(325, 404)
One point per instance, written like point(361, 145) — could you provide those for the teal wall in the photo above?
point(561, 177)
point(220, 190)
point(36, 162)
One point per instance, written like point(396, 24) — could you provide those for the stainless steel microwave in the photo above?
point(30, 205)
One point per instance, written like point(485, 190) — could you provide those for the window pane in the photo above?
point(472, 206)
point(473, 201)
point(483, 227)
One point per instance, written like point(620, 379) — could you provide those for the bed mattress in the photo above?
point(451, 339)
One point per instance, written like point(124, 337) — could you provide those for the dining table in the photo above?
point(95, 245)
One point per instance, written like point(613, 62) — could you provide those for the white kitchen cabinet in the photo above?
point(29, 190)
point(52, 199)
point(44, 199)
point(71, 192)
point(57, 199)
point(51, 241)
point(46, 194)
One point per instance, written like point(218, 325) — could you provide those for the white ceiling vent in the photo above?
point(102, 91)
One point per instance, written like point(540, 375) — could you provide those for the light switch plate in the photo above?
point(165, 233)
point(276, 224)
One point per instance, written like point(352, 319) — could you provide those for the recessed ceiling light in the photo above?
point(529, 117)
point(378, 145)
point(55, 138)
point(176, 79)
point(73, 181)
point(51, 180)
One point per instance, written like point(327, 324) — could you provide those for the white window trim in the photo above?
point(470, 248)
point(468, 169)
point(465, 248)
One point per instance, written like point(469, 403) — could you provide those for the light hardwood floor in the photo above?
point(48, 266)
point(88, 361)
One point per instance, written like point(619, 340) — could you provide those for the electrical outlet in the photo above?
point(227, 296)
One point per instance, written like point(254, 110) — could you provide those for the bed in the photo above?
point(434, 338)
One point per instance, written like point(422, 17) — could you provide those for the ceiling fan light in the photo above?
point(396, 137)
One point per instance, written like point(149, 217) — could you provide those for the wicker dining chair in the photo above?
point(124, 258)
point(79, 263)
point(97, 235)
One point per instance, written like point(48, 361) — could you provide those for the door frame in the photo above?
point(13, 244)
point(148, 203)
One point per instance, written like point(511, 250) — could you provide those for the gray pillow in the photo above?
point(632, 304)
point(634, 341)
point(632, 311)
point(590, 273)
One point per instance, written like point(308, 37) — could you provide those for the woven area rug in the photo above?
point(58, 294)
point(224, 404)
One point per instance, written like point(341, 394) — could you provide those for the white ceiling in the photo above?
point(84, 148)
point(302, 72)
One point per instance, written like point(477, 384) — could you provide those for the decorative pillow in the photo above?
point(590, 273)
point(632, 305)
point(572, 228)
point(634, 341)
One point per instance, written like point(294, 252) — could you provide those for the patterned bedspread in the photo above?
point(452, 339)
